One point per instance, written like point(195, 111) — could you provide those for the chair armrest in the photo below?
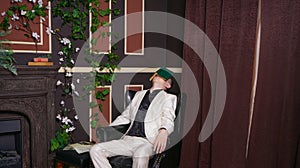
point(110, 133)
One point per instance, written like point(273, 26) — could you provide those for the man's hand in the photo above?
point(160, 142)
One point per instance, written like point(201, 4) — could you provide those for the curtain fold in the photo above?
point(231, 26)
point(275, 133)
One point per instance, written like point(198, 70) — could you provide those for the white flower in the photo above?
point(48, 7)
point(72, 86)
point(65, 41)
point(3, 13)
point(32, 11)
point(40, 2)
point(62, 103)
point(77, 49)
point(35, 35)
point(23, 12)
point(33, 1)
point(76, 93)
point(78, 80)
point(9, 27)
point(72, 61)
point(60, 53)
point(70, 129)
point(68, 74)
point(76, 117)
point(49, 30)
point(12, 1)
point(58, 83)
point(61, 59)
point(43, 19)
point(15, 17)
point(70, 45)
point(58, 116)
point(66, 120)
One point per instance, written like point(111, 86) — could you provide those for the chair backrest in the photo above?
point(129, 94)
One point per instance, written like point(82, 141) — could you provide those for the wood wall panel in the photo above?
point(20, 43)
point(103, 118)
point(134, 43)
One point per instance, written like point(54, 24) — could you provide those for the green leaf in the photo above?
point(67, 90)
point(93, 124)
point(92, 104)
point(104, 23)
point(117, 11)
point(100, 107)
point(105, 92)
point(76, 13)
point(10, 13)
point(104, 12)
point(23, 7)
point(94, 41)
point(100, 95)
point(54, 144)
point(113, 47)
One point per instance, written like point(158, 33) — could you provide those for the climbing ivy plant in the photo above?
point(74, 17)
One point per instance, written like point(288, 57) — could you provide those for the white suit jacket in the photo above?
point(160, 114)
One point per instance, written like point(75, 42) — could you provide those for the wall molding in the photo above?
point(119, 70)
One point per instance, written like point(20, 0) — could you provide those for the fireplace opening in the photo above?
point(10, 143)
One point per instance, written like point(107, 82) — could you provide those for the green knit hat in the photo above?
point(163, 72)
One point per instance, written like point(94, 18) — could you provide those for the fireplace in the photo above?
point(10, 143)
point(27, 117)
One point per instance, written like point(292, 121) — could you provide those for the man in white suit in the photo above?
point(151, 115)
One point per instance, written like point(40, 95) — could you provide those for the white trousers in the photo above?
point(138, 148)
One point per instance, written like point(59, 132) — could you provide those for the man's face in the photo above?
point(161, 81)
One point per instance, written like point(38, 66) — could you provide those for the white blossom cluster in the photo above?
point(67, 42)
point(64, 120)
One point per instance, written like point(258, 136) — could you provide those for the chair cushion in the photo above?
point(121, 162)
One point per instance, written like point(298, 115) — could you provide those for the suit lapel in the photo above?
point(155, 102)
point(139, 100)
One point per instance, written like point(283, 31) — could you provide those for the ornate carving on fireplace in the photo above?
point(31, 94)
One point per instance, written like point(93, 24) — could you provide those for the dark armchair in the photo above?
point(167, 159)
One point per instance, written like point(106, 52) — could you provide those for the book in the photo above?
point(79, 147)
point(38, 59)
point(40, 63)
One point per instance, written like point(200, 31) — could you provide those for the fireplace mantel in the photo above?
point(31, 94)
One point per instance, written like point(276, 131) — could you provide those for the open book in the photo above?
point(80, 147)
